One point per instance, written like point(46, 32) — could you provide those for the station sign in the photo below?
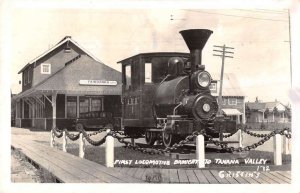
point(98, 82)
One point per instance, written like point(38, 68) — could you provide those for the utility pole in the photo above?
point(291, 72)
point(221, 52)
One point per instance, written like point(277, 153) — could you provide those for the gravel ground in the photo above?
point(24, 172)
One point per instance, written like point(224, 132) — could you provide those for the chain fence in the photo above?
point(148, 150)
point(73, 137)
point(245, 128)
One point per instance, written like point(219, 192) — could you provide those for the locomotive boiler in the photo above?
point(166, 95)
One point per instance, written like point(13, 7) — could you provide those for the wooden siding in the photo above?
point(57, 59)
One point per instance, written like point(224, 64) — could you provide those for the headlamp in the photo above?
point(203, 79)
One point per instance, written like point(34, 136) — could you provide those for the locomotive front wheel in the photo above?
point(109, 126)
point(169, 139)
point(150, 138)
point(79, 127)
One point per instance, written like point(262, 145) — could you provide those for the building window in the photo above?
point(96, 104)
point(45, 68)
point(84, 104)
point(224, 101)
point(148, 72)
point(25, 79)
point(213, 87)
point(232, 101)
point(71, 106)
point(28, 76)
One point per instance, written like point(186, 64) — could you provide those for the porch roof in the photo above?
point(230, 112)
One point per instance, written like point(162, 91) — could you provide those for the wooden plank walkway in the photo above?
point(211, 176)
point(72, 169)
point(69, 168)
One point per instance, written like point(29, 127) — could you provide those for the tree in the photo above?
point(276, 112)
point(288, 112)
point(267, 112)
point(247, 111)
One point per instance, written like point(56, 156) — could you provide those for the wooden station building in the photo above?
point(63, 82)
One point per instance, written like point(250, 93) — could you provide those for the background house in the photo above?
point(233, 97)
point(259, 111)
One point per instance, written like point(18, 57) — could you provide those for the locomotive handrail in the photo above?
point(174, 110)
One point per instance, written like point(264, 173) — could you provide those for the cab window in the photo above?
point(148, 72)
point(128, 76)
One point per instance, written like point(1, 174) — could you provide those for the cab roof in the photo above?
point(158, 54)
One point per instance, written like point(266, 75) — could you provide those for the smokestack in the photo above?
point(196, 40)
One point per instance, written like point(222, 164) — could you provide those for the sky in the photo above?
point(260, 38)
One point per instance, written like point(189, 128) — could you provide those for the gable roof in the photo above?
point(265, 105)
point(80, 70)
point(231, 85)
point(60, 43)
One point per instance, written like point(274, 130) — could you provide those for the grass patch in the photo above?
point(45, 176)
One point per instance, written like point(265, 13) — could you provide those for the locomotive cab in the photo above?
point(141, 75)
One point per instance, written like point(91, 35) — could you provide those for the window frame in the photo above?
point(44, 65)
point(25, 77)
point(224, 101)
point(232, 101)
point(214, 89)
point(67, 106)
point(128, 79)
point(149, 79)
point(28, 76)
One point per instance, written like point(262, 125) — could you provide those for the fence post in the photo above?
point(240, 138)
point(81, 145)
point(200, 151)
point(286, 145)
point(277, 149)
point(132, 141)
point(64, 146)
point(51, 138)
point(109, 150)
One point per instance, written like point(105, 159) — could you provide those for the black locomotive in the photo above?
point(166, 95)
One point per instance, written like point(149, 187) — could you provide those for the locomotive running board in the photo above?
point(154, 129)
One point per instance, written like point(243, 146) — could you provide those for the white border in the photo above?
point(5, 61)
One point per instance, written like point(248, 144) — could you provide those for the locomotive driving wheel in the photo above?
point(150, 137)
point(169, 139)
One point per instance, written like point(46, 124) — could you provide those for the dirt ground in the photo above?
point(21, 170)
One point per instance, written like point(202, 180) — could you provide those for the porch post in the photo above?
point(17, 110)
point(54, 95)
point(77, 107)
point(33, 113)
point(22, 109)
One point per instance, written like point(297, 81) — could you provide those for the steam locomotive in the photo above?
point(166, 95)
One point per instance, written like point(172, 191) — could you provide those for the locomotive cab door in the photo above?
point(131, 92)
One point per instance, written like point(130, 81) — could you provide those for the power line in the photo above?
point(258, 18)
point(261, 11)
point(272, 11)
